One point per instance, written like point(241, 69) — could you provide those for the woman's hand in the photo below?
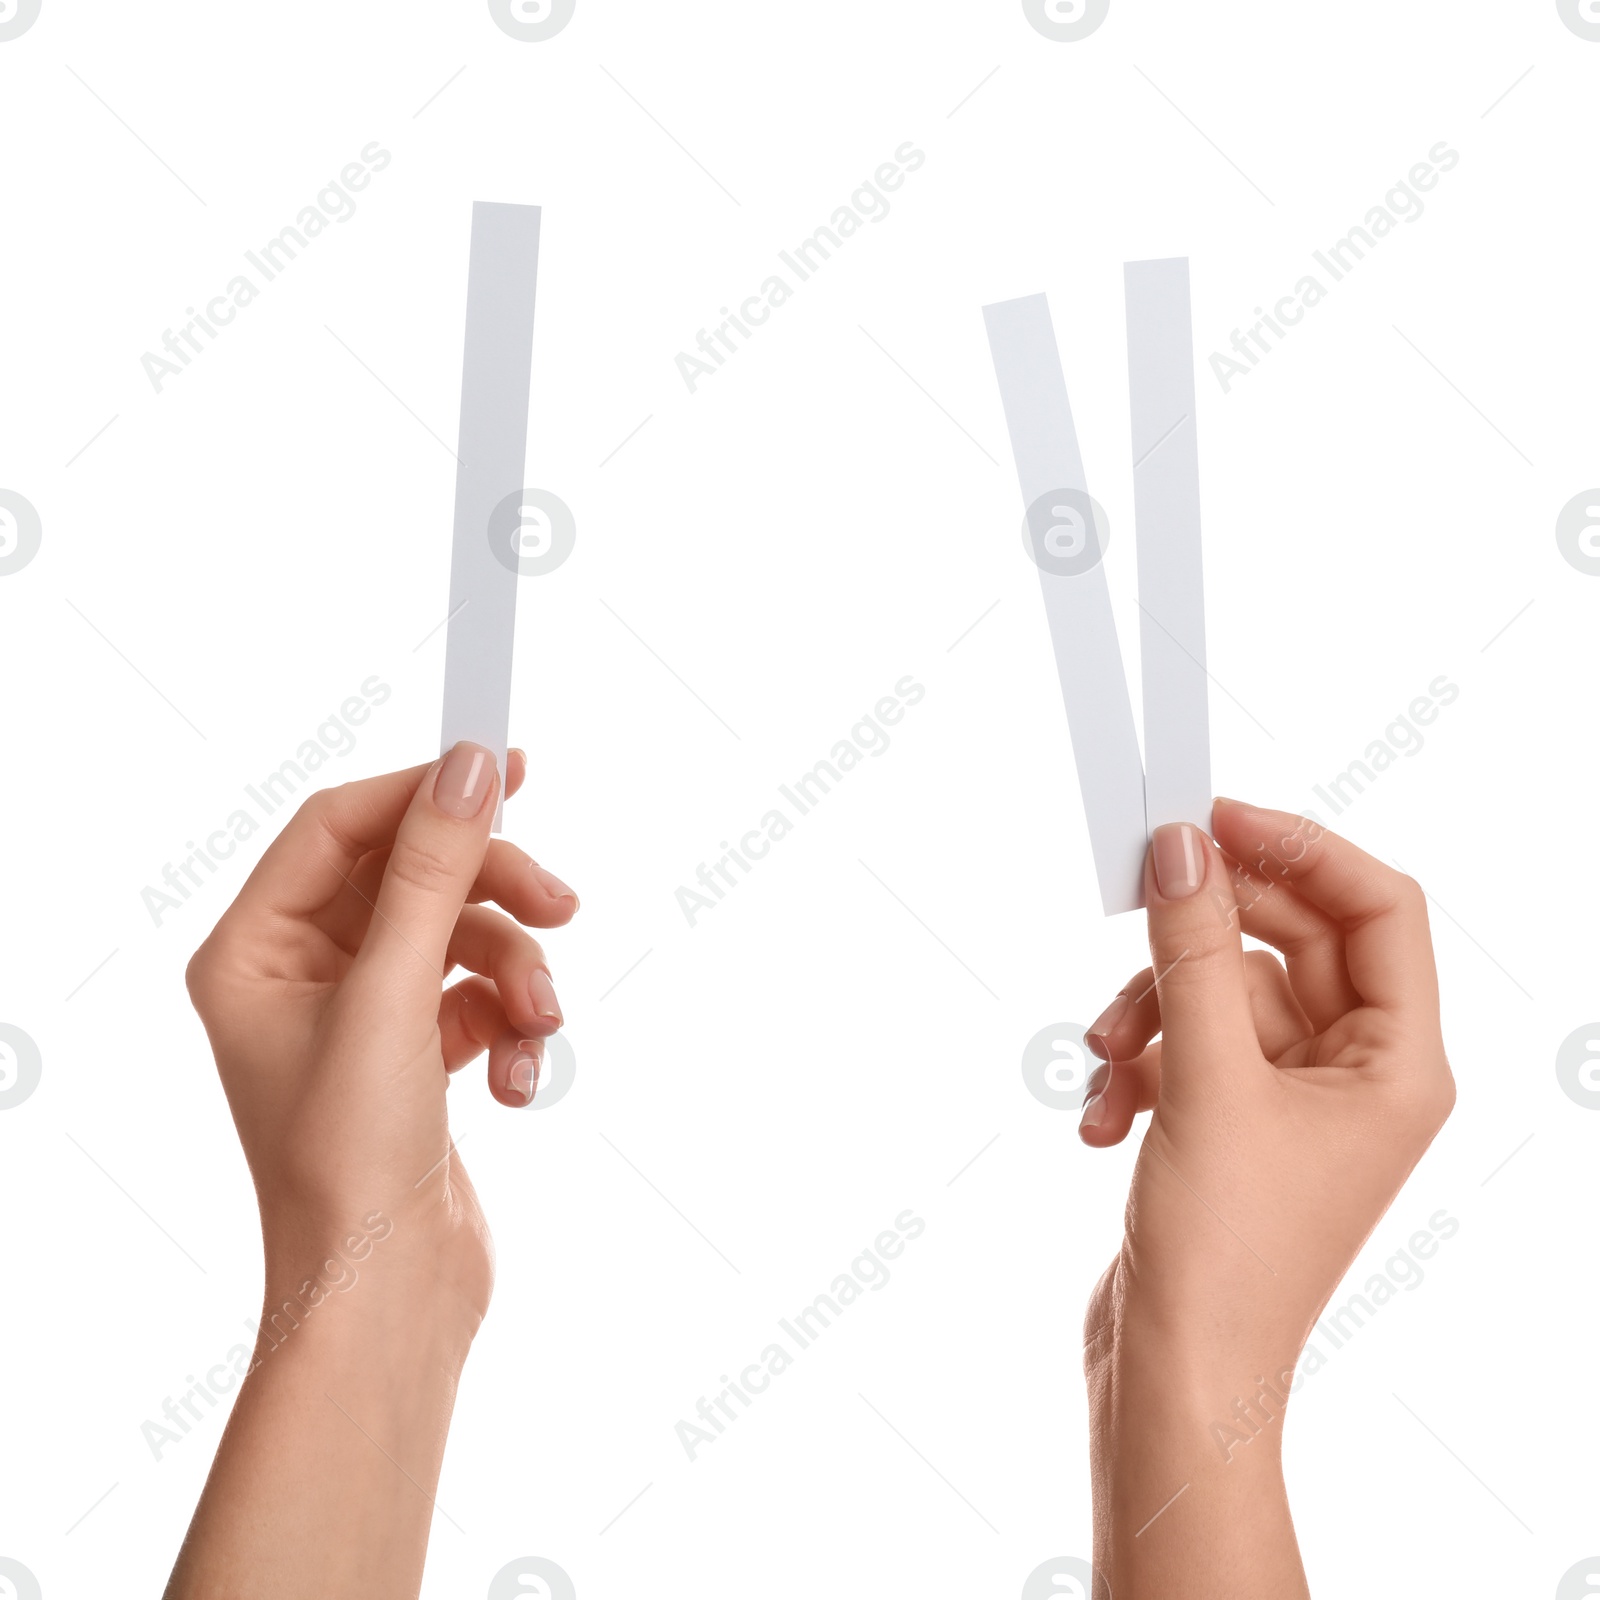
point(322, 992)
point(1289, 1107)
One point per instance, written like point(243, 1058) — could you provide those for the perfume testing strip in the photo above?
point(496, 370)
point(1166, 504)
point(1077, 603)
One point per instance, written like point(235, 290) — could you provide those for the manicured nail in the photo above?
point(1094, 1113)
point(543, 994)
point(553, 886)
point(465, 778)
point(525, 1068)
point(1095, 1034)
point(1180, 859)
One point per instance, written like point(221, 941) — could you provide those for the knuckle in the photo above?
point(1422, 1087)
point(1168, 948)
point(206, 977)
point(197, 975)
point(1196, 944)
point(1436, 1099)
point(423, 866)
point(316, 806)
point(329, 812)
point(1184, 962)
point(1410, 895)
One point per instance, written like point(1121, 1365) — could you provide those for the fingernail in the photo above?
point(465, 778)
point(543, 993)
point(525, 1068)
point(1094, 1034)
point(1098, 1079)
point(1180, 859)
point(1093, 1113)
point(553, 886)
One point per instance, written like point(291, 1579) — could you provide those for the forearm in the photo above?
point(326, 1473)
point(1186, 1466)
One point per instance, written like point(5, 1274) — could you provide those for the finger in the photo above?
point(1196, 952)
point(319, 851)
point(314, 857)
point(1382, 913)
point(1117, 1094)
point(1129, 1023)
point(518, 884)
point(514, 1067)
point(507, 877)
point(516, 769)
point(1279, 1020)
point(1310, 941)
point(438, 850)
point(495, 947)
point(471, 1018)
point(1123, 1030)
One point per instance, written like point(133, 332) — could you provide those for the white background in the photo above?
point(757, 565)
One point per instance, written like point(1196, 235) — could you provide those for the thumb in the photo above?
point(1195, 950)
point(437, 854)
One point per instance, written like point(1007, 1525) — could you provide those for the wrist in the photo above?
point(368, 1286)
point(1187, 1355)
point(1185, 1430)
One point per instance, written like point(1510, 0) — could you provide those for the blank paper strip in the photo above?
point(496, 369)
point(1166, 503)
point(1076, 601)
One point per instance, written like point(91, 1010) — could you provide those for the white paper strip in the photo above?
point(1166, 502)
point(1077, 603)
point(496, 370)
